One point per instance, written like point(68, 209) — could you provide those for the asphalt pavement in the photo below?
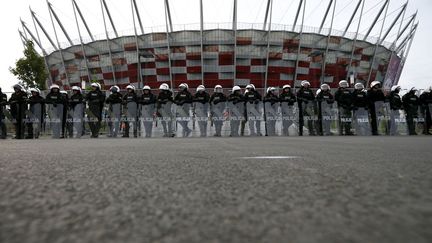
point(266, 189)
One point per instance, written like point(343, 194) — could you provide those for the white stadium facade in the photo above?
point(265, 54)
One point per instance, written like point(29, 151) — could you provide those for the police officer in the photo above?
point(374, 95)
point(36, 114)
point(130, 101)
point(76, 106)
point(237, 107)
point(148, 106)
point(411, 102)
point(95, 99)
point(426, 105)
point(55, 102)
point(360, 106)
point(3, 103)
point(164, 103)
point(201, 105)
point(287, 100)
point(183, 99)
point(252, 99)
point(271, 104)
point(218, 104)
point(67, 127)
point(18, 108)
point(114, 101)
point(325, 101)
point(344, 100)
point(395, 107)
point(306, 104)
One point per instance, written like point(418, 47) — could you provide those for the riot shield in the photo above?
point(34, 120)
point(328, 119)
point(55, 113)
point(271, 117)
point(78, 119)
point(165, 117)
point(201, 117)
point(147, 112)
point(183, 118)
point(382, 111)
point(254, 117)
point(361, 122)
point(398, 124)
point(290, 119)
point(419, 120)
point(217, 118)
point(310, 118)
point(236, 117)
point(131, 119)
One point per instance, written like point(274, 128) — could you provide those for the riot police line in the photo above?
point(182, 113)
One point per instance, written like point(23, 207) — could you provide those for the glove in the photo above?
point(54, 105)
point(215, 102)
point(256, 102)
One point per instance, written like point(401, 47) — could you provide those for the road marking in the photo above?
point(270, 157)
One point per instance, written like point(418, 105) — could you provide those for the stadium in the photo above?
point(264, 54)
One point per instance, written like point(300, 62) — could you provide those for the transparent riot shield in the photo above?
point(398, 124)
point(254, 115)
point(419, 120)
point(55, 113)
point(382, 110)
point(310, 118)
point(328, 119)
point(34, 120)
point(77, 113)
point(147, 120)
point(289, 119)
point(271, 117)
point(164, 122)
point(345, 121)
point(201, 117)
point(131, 120)
point(183, 118)
point(236, 117)
point(217, 118)
point(4, 122)
point(361, 122)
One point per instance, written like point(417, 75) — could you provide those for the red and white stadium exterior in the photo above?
point(235, 54)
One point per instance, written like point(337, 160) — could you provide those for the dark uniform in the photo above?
point(95, 100)
point(164, 102)
point(306, 98)
point(201, 106)
point(287, 100)
point(35, 119)
point(184, 99)
point(237, 112)
point(344, 98)
point(395, 107)
point(130, 101)
point(325, 99)
point(114, 102)
point(18, 108)
point(217, 102)
point(271, 103)
point(76, 106)
point(3, 103)
point(374, 95)
point(426, 105)
point(148, 104)
point(253, 116)
point(411, 103)
point(56, 100)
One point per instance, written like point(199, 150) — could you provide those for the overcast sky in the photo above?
point(416, 72)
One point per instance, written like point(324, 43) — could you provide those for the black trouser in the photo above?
point(410, 123)
point(95, 121)
point(3, 130)
point(127, 127)
point(427, 123)
point(19, 126)
point(374, 125)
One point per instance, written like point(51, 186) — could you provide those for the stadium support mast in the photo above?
point(202, 40)
point(407, 38)
point(23, 39)
point(235, 40)
point(407, 25)
point(108, 42)
point(325, 16)
point(327, 45)
point(138, 16)
point(43, 29)
point(355, 40)
point(299, 44)
point(59, 23)
point(58, 44)
point(352, 17)
point(407, 50)
point(83, 20)
point(168, 18)
point(270, 5)
point(26, 29)
point(394, 22)
point(376, 46)
point(109, 17)
point(81, 42)
point(168, 13)
point(266, 14)
point(140, 85)
point(376, 19)
point(297, 15)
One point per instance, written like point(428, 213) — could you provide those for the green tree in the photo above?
point(30, 69)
